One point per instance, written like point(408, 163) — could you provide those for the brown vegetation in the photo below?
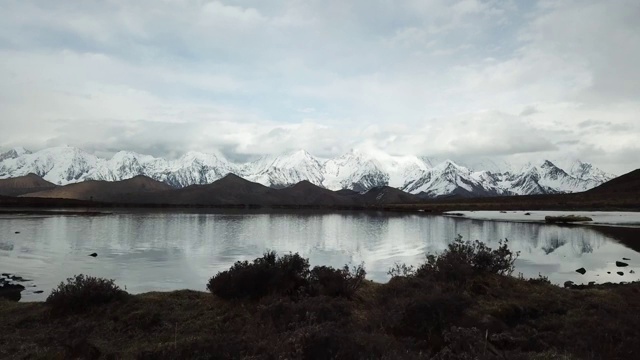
point(422, 314)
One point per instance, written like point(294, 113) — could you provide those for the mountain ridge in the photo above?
point(355, 170)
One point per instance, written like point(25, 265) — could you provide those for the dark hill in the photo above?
point(230, 190)
point(24, 185)
point(385, 195)
point(347, 192)
point(306, 193)
point(125, 191)
point(625, 184)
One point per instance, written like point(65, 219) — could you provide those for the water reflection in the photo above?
point(165, 251)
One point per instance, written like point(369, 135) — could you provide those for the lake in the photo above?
point(161, 251)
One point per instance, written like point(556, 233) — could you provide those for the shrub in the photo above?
point(540, 280)
point(286, 275)
point(325, 280)
point(82, 292)
point(401, 270)
point(269, 274)
point(462, 259)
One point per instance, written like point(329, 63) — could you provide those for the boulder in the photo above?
point(621, 264)
point(581, 271)
point(620, 273)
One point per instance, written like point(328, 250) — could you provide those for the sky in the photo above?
point(468, 79)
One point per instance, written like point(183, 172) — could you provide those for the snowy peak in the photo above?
point(59, 165)
point(451, 179)
point(285, 170)
point(356, 170)
point(587, 172)
point(14, 153)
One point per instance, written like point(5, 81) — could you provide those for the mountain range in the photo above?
point(356, 170)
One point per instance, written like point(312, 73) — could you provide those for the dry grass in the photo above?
point(429, 313)
point(409, 317)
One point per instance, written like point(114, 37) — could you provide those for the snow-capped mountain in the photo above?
point(361, 171)
point(14, 153)
point(449, 179)
point(356, 170)
point(587, 172)
point(194, 168)
point(285, 170)
point(59, 165)
point(545, 178)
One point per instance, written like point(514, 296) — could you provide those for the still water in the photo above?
point(167, 251)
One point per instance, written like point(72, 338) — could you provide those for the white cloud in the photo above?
point(508, 79)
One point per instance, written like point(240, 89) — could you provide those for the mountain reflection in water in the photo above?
point(167, 251)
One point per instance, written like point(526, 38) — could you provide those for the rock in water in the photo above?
point(621, 264)
point(11, 291)
point(93, 254)
point(581, 271)
point(620, 273)
point(626, 259)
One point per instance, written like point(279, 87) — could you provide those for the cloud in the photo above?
point(528, 110)
point(433, 77)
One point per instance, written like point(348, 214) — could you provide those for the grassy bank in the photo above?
point(462, 304)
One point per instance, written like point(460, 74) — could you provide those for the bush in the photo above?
point(269, 274)
point(540, 280)
point(462, 259)
point(82, 292)
point(287, 275)
point(401, 270)
point(325, 280)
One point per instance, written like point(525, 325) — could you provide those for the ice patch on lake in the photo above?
point(608, 218)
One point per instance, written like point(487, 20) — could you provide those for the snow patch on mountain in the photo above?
point(285, 170)
point(356, 170)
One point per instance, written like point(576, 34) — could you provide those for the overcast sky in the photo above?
point(500, 79)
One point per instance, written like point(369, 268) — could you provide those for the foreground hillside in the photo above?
point(279, 308)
